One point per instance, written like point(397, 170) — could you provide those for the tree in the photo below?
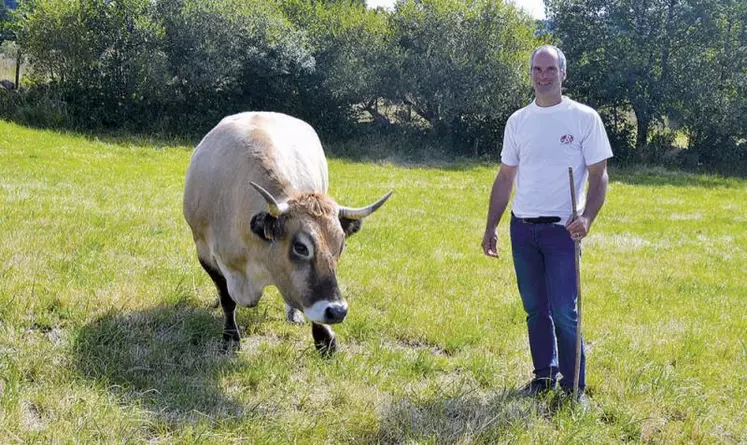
point(6, 24)
point(9, 33)
point(176, 65)
point(619, 52)
point(227, 56)
point(92, 51)
point(463, 66)
point(711, 103)
point(351, 48)
point(667, 60)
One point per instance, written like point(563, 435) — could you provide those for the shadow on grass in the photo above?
point(466, 417)
point(167, 359)
point(155, 141)
point(117, 137)
point(412, 150)
point(404, 150)
point(659, 176)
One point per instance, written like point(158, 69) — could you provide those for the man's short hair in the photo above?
point(561, 56)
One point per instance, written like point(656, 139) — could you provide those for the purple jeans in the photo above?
point(546, 274)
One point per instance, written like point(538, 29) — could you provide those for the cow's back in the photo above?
point(279, 152)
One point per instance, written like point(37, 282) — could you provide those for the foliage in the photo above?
point(9, 49)
point(712, 105)
point(93, 53)
point(6, 24)
point(449, 72)
point(462, 66)
point(41, 106)
point(351, 46)
point(182, 64)
point(229, 56)
point(621, 133)
point(665, 60)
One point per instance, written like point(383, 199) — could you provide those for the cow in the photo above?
point(255, 198)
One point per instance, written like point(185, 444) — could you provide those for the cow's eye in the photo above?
point(300, 249)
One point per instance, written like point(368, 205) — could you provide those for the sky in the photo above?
point(536, 8)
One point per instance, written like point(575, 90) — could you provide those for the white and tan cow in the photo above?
point(255, 199)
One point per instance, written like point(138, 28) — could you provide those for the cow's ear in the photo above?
point(350, 226)
point(258, 224)
point(266, 226)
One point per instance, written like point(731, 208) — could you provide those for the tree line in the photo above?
point(678, 67)
point(662, 72)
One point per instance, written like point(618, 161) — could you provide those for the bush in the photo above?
point(176, 64)
point(39, 106)
point(447, 69)
point(658, 147)
point(351, 47)
point(462, 67)
point(228, 56)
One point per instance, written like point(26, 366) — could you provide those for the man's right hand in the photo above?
point(499, 196)
point(490, 244)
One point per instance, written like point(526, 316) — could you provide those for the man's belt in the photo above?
point(538, 220)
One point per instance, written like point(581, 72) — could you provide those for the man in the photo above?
point(540, 142)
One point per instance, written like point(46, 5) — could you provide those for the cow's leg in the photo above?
point(230, 330)
point(324, 339)
point(293, 315)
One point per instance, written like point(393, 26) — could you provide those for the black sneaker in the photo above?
point(538, 386)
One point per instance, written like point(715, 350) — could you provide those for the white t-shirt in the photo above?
point(544, 142)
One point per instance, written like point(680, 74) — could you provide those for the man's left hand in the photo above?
point(578, 227)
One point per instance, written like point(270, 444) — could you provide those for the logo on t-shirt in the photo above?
point(566, 139)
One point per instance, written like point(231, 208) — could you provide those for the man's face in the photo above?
point(546, 75)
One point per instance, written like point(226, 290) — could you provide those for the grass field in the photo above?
point(107, 335)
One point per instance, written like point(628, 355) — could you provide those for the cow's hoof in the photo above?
point(324, 339)
point(327, 349)
point(231, 341)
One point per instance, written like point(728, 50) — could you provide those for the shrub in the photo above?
point(462, 67)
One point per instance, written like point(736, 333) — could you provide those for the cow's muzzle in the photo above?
point(327, 312)
point(335, 313)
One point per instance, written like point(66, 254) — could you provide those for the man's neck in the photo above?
point(548, 100)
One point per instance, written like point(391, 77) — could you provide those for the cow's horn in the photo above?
point(348, 213)
point(275, 208)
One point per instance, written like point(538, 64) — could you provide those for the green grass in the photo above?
point(107, 335)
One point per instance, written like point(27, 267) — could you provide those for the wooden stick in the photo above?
point(577, 369)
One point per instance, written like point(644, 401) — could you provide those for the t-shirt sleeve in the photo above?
point(509, 152)
point(596, 147)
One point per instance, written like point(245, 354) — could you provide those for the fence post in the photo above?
point(18, 68)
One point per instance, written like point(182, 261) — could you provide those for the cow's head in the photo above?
point(307, 234)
